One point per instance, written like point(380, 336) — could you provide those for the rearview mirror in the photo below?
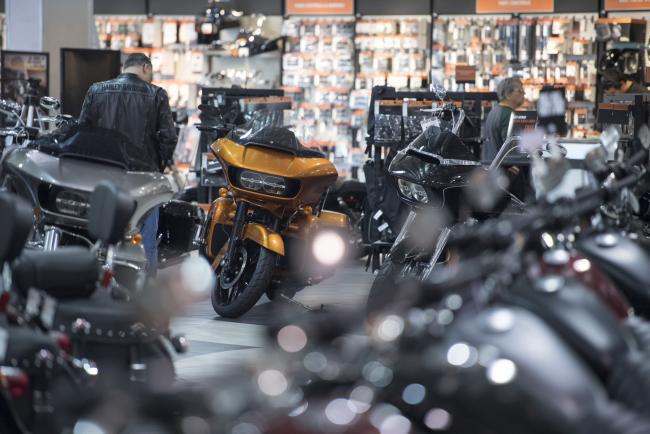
point(110, 212)
point(50, 103)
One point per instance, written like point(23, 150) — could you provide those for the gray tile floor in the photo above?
point(218, 344)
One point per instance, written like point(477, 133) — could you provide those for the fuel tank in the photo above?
point(626, 262)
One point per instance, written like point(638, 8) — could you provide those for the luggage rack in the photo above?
point(398, 116)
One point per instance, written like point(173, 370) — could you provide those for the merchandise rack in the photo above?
point(565, 45)
point(318, 71)
point(389, 101)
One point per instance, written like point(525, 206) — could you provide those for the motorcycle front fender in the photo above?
point(264, 237)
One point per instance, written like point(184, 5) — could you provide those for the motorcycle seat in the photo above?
point(68, 272)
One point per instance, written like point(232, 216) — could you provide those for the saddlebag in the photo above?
point(111, 333)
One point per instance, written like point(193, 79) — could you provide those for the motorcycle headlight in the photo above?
point(72, 203)
point(263, 183)
point(413, 191)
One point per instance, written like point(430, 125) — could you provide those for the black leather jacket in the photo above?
point(138, 110)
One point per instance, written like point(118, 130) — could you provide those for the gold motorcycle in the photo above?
point(267, 232)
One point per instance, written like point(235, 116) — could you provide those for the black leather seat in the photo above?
point(283, 140)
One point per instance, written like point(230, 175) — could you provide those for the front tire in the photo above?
point(254, 279)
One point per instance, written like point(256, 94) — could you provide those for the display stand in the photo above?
point(400, 111)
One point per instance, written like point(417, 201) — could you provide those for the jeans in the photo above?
point(149, 234)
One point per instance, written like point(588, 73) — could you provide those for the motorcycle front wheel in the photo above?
point(234, 296)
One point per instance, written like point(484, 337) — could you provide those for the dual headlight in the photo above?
point(263, 183)
point(72, 203)
point(412, 191)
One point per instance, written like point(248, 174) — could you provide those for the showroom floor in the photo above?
point(217, 344)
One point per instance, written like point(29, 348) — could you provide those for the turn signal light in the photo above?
point(223, 192)
point(15, 380)
point(136, 239)
point(308, 210)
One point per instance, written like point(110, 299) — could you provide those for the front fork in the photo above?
point(235, 237)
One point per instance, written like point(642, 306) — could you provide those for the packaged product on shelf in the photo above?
point(388, 128)
point(324, 64)
point(170, 32)
point(309, 44)
point(291, 61)
point(187, 32)
point(397, 81)
point(324, 28)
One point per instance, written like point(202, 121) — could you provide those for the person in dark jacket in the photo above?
point(140, 111)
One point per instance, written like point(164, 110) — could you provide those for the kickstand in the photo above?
point(304, 306)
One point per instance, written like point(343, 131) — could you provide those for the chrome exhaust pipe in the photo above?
point(52, 239)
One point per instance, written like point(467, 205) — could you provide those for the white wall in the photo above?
point(49, 25)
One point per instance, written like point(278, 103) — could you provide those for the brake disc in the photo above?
point(229, 283)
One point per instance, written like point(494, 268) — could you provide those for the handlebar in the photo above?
point(499, 233)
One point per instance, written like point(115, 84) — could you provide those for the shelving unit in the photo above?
point(500, 46)
point(181, 65)
point(392, 51)
point(318, 72)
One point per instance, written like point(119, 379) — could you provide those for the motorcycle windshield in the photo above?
point(94, 144)
point(437, 158)
point(280, 139)
point(267, 129)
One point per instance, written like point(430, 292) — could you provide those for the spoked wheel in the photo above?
point(235, 293)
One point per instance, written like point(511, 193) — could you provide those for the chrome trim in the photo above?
point(126, 264)
point(440, 246)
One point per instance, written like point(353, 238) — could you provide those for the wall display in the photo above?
point(318, 71)
point(319, 7)
point(627, 5)
point(540, 50)
point(513, 6)
point(392, 51)
point(79, 69)
point(24, 73)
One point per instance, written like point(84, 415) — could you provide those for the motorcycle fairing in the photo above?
point(149, 189)
point(436, 158)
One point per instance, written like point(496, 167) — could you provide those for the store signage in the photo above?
point(513, 6)
point(627, 5)
point(465, 74)
point(319, 7)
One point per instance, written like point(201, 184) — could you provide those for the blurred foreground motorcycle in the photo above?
point(57, 173)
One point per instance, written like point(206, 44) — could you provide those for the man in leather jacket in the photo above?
point(140, 111)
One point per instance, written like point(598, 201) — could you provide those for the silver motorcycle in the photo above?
point(57, 174)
